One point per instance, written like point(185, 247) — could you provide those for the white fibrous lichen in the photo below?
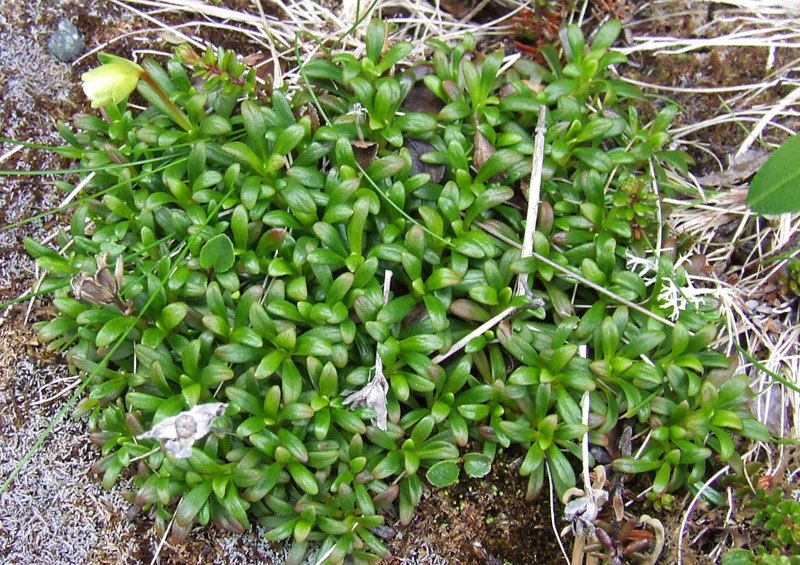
point(181, 431)
point(674, 296)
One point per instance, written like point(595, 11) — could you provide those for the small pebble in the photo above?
point(66, 43)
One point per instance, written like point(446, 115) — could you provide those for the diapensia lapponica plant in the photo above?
point(265, 292)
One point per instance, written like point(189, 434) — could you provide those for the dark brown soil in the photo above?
point(483, 521)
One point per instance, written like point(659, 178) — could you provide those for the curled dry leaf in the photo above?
point(582, 511)
point(482, 150)
point(373, 395)
point(509, 89)
point(102, 288)
point(364, 152)
point(181, 431)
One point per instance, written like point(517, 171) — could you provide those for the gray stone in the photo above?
point(66, 43)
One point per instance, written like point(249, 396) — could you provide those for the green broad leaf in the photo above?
point(533, 460)
point(476, 464)
point(489, 70)
point(239, 226)
point(322, 69)
point(662, 479)
point(289, 139)
point(386, 167)
point(775, 189)
point(500, 161)
point(217, 253)
point(394, 56)
point(442, 278)
point(490, 198)
point(192, 502)
point(303, 477)
point(214, 126)
point(437, 313)
point(595, 158)
point(473, 82)
point(111, 330)
point(755, 430)
point(376, 37)
point(37, 250)
point(396, 310)
point(606, 35)
point(237, 353)
point(390, 465)
point(173, 314)
point(443, 474)
point(561, 471)
point(454, 111)
point(244, 155)
point(474, 411)
point(633, 466)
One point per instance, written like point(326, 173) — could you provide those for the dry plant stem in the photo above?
point(553, 515)
point(527, 242)
point(658, 527)
point(534, 191)
point(689, 510)
point(480, 330)
point(785, 102)
point(578, 552)
point(162, 541)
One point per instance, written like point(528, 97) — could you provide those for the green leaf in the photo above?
point(289, 138)
point(192, 502)
point(499, 162)
point(632, 465)
point(243, 154)
point(607, 35)
point(111, 330)
point(477, 464)
point(386, 167)
point(237, 353)
point(376, 36)
point(303, 477)
point(443, 474)
point(753, 429)
point(173, 314)
point(776, 187)
point(217, 253)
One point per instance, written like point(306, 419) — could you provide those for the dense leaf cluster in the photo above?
point(254, 238)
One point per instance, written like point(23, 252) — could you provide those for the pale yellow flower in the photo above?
point(111, 82)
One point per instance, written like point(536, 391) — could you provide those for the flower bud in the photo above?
point(186, 55)
point(111, 82)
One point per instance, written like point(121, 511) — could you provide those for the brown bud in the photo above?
point(545, 221)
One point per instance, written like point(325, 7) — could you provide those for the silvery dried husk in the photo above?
point(373, 395)
point(179, 432)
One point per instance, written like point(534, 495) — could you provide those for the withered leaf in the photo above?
point(482, 149)
point(365, 152)
point(102, 288)
point(421, 99)
point(417, 149)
